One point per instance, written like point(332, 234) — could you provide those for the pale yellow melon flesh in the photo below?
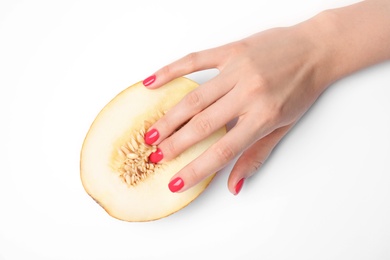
point(149, 199)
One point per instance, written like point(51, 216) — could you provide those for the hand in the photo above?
point(266, 82)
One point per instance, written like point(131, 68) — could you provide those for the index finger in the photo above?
point(195, 61)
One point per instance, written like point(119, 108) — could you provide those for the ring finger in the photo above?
point(199, 127)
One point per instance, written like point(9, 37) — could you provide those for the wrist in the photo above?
point(320, 32)
point(348, 39)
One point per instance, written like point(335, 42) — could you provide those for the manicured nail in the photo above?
point(149, 80)
point(156, 156)
point(239, 186)
point(151, 136)
point(176, 184)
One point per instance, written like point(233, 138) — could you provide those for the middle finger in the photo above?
point(193, 103)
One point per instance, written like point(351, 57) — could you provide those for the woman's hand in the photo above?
point(266, 81)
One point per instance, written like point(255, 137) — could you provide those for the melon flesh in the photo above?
point(150, 198)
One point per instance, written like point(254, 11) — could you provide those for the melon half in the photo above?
point(114, 166)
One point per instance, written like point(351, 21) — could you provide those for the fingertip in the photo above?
point(176, 184)
point(158, 79)
point(236, 178)
point(238, 186)
point(156, 156)
point(151, 136)
point(149, 81)
point(235, 184)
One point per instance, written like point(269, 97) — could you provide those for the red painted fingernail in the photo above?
point(176, 184)
point(239, 186)
point(149, 80)
point(151, 136)
point(156, 156)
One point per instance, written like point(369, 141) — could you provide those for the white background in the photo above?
point(323, 194)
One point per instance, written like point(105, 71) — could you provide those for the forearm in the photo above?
point(351, 38)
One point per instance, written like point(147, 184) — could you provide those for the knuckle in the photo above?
point(192, 175)
point(259, 81)
point(257, 85)
point(191, 60)
point(269, 115)
point(236, 48)
point(163, 124)
point(224, 153)
point(166, 70)
point(256, 166)
point(194, 99)
point(274, 113)
point(170, 147)
point(268, 119)
point(202, 125)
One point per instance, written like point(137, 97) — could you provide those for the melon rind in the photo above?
point(150, 199)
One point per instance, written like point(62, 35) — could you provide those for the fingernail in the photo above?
point(238, 187)
point(156, 156)
point(176, 184)
point(149, 80)
point(151, 136)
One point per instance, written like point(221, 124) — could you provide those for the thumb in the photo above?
point(253, 158)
